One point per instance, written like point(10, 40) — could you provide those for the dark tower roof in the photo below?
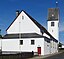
point(53, 14)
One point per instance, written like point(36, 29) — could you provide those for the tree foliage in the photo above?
point(60, 44)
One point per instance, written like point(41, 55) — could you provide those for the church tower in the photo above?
point(53, 22)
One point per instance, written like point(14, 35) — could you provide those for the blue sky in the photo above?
point(38, 9)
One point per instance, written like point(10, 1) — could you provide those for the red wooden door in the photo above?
point(39, 50)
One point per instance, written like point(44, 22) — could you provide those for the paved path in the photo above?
point(59, 55)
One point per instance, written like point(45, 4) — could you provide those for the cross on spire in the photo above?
point(56, 3)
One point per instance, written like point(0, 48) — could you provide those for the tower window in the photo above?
point(32, 42)
point(52, 23)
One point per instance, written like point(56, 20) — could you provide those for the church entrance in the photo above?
point(39, 50)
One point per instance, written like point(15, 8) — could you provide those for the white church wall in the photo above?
point(53, 47)
point(53, 30)
point(56, 47)
point(10, 45)
point(13, 45)
point(46, 47)
point(51, 44)
point(27, 47)
point(0, 44)
point(23, 25)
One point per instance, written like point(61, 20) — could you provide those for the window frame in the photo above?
point(32, 42)
point(52, 23)
point(21, 42)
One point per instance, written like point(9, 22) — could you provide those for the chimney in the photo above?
point(17, 12)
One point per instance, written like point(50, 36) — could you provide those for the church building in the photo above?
point(25, 34)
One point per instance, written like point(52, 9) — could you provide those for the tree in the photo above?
point(0, 34)
point(60, 44)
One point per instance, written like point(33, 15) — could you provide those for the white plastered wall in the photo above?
point(0, 44)
point(13, 45)
point(53, 30)
point(53, 46)
point(25, 25)
point(46, 48)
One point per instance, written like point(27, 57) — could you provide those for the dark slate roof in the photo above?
point(38, 24)
point(23, 35)
point(55, 12)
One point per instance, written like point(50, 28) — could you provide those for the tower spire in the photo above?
point(56, 4)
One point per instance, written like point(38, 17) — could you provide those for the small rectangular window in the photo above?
point(21, 42)
point(52, 23)
point(22, 17)
point(32, 42)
